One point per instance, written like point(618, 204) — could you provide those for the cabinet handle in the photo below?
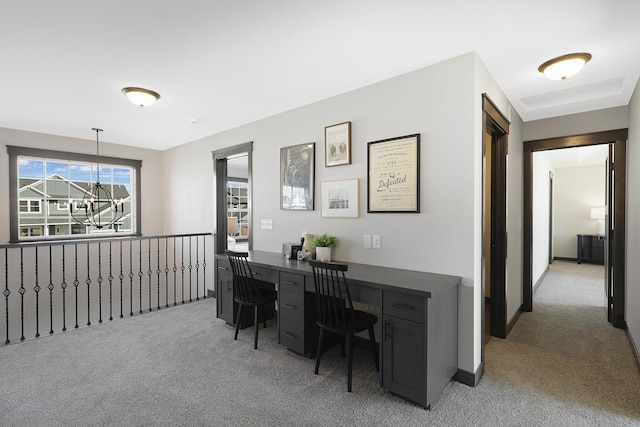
point(402, 306)
point(287, 282)
point(288, 335)
point(255, 273)
point(291, 307)
point(222, 268)
point(387, 329)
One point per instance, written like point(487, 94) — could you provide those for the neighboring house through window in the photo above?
point(47, 186)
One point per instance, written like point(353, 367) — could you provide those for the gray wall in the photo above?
point(443, 104)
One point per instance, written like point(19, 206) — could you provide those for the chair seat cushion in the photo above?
point(363, 321)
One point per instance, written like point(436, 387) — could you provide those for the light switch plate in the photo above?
point(376, 241)
point(266, 224)
point(367, 241)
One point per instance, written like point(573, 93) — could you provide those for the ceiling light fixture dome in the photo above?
point(140, 96)
point(564, 66)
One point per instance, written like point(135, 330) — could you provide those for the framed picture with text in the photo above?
point(393, 182)
point(337, 144)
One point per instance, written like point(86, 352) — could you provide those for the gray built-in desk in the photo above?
point(417, 318)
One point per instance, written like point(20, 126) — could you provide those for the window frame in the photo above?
point(14, 152)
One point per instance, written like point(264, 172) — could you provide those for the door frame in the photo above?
point(220, 197)
point(618, 138)
point(495, 124)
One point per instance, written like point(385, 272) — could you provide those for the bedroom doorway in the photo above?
point(614, 215)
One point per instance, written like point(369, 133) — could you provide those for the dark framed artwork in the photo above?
point(337, 144)
point(297, 177)
point(393, 167)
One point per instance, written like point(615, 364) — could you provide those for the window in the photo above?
point(47, 188)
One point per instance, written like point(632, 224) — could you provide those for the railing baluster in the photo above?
point(140, 273)
point(37, 288)
point(22, 290)
point(121, 277)
point(110, 278)
point(50, 287)
point(182, 266)
point(149, 273)
point(99, 282)
point(88, 282)
point(166, 272)
point(204, 267)
point(63, 285)
point(190, 268)
point(175, 270)
point(6, 291)
point(130, 277)
point(158, 269)
point(76, 282)
point(197, 271)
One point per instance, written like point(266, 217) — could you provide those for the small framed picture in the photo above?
point(340, 199)
point(297, 177)
point(337, 144)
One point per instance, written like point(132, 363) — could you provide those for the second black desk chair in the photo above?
point(246, 292)
point(335, 313)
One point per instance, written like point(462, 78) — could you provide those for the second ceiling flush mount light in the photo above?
point(140, 96)
point(564, 66)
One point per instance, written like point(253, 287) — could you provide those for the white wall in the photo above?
point(576, 191)
point(442, 103)
point(573, 124)
point(151, 192)
point(540, 217)
point(632, 314)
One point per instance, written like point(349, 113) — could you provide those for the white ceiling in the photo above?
point(227, 63)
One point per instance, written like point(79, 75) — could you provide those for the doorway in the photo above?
point(494, 263)
point(228, 204)
point(615, 214)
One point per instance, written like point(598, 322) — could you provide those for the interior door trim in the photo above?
point(616, 137)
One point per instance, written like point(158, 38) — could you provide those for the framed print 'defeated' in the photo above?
point(394, 175)
point(297, 177)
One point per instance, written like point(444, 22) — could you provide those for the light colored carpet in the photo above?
point(562, 365)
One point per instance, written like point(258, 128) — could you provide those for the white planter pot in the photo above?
point(323, 254)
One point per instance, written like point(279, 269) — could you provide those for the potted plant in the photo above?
point(323, 244)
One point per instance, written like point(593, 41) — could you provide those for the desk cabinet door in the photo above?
point(224, 292)
point(404, 359)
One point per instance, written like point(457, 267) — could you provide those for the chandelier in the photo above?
point(97, 208)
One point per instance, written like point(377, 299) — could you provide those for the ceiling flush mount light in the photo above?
point(564, 66)
point(97, 207)
point(140, 96)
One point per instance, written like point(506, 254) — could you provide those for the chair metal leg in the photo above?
point(255, 321)
point(319, 351)
point(264, 317)
point(238, 321)
point(374, 348)
point(349, 360)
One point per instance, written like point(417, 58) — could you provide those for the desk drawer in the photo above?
point(265, 274)
point(292, 335)
point(404, 306)
point(291, 306)
point(293, 283)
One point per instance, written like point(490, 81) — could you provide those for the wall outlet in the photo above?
point(367, 241)
point(266, 224)
point(376, 241)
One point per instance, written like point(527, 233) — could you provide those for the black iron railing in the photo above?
point(104, 276)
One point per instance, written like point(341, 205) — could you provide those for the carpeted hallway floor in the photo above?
point(562, 365)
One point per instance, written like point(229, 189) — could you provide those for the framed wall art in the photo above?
point(394, 174)
point(337, 144)
point(340, 199)
point(297, 177)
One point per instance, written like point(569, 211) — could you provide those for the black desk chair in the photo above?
point(246, 292)
point(335, 313)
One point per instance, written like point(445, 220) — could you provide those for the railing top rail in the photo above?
point(59, 242)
